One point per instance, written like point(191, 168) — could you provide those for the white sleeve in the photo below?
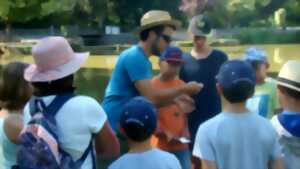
point(96, 117)
point(203, 147)
point(26, 114)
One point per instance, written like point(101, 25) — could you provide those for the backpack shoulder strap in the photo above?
point(33, 105)
point(57, 103)
point(37, 104)
point(89, 149)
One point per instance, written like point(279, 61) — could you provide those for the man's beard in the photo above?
point(155, 50)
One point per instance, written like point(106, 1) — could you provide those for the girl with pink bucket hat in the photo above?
point(80, 118)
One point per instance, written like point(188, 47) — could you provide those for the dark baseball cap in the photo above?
point(138, 120)
point(236, 72)
point(172, 54)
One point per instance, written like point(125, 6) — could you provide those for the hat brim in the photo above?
point(197, 33)
point(174, 23)
point(286, 84)
point(32, 74)
point(175, 60)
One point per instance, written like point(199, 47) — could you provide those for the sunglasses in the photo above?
point(167, 38)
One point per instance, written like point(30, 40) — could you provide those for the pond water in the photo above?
point(93, 77)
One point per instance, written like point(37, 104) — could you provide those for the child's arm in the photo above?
point(208, 164)
point(13, 126)
point(107, 144)
point(276, 164)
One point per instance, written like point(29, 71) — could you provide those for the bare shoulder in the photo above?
point(13, 125)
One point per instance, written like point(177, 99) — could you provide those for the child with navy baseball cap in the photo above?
point(172, 134)
point(264, 102)
point(138, 122)
point(237, 138)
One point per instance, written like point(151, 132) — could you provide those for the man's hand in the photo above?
point(192, 88)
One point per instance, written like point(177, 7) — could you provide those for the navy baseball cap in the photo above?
point(172, 54)
point(140, 113)
point(235, 72)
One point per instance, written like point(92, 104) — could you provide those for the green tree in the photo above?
point(22, 11)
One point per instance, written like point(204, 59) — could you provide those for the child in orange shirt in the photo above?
point(172, 132)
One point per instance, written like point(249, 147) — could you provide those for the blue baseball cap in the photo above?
point(235, 72)
point(172, 54)
point(140, 112)
point(255, 54)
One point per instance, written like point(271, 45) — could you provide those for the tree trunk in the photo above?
point(8, 35)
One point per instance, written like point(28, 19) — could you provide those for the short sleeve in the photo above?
point(225, 57)
point(203, 147)
point(222, 56)
point(276, 147)
point(96, 117)
point(276, 150)
point(138, 67)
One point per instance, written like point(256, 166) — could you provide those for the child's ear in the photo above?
point(122, 131)
point(159, 62)
point(280, 91)
point(219, 88)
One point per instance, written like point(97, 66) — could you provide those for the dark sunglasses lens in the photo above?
point(167, 38)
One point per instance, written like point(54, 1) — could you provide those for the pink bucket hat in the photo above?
point(54, 59)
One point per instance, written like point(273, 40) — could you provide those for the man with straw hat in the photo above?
point(133, 71)
point(287, 123)
point(202, 65)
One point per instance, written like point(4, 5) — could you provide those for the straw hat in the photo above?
point(289, 75)
point(54, 59)
point(157, 17)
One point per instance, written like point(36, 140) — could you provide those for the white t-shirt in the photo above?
point(77, 120)
point(237, 141)
point(151, 159)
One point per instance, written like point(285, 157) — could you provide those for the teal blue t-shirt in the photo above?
point(9, 149)
point(132, 65)
point(237, 141)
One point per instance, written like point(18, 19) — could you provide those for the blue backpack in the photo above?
point(39, 146)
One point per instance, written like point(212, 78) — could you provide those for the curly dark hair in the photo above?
point(14, 90)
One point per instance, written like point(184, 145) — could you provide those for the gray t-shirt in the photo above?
point(151, 159)
point(237, 141)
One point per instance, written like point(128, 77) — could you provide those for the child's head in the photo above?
point(14, 90)
point(236, 81)
point(259, 62)
point(56, 87)
point(138, 120)
point(170, 61)
point(288, 82)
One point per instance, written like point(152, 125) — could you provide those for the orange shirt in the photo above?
point(170, 120)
